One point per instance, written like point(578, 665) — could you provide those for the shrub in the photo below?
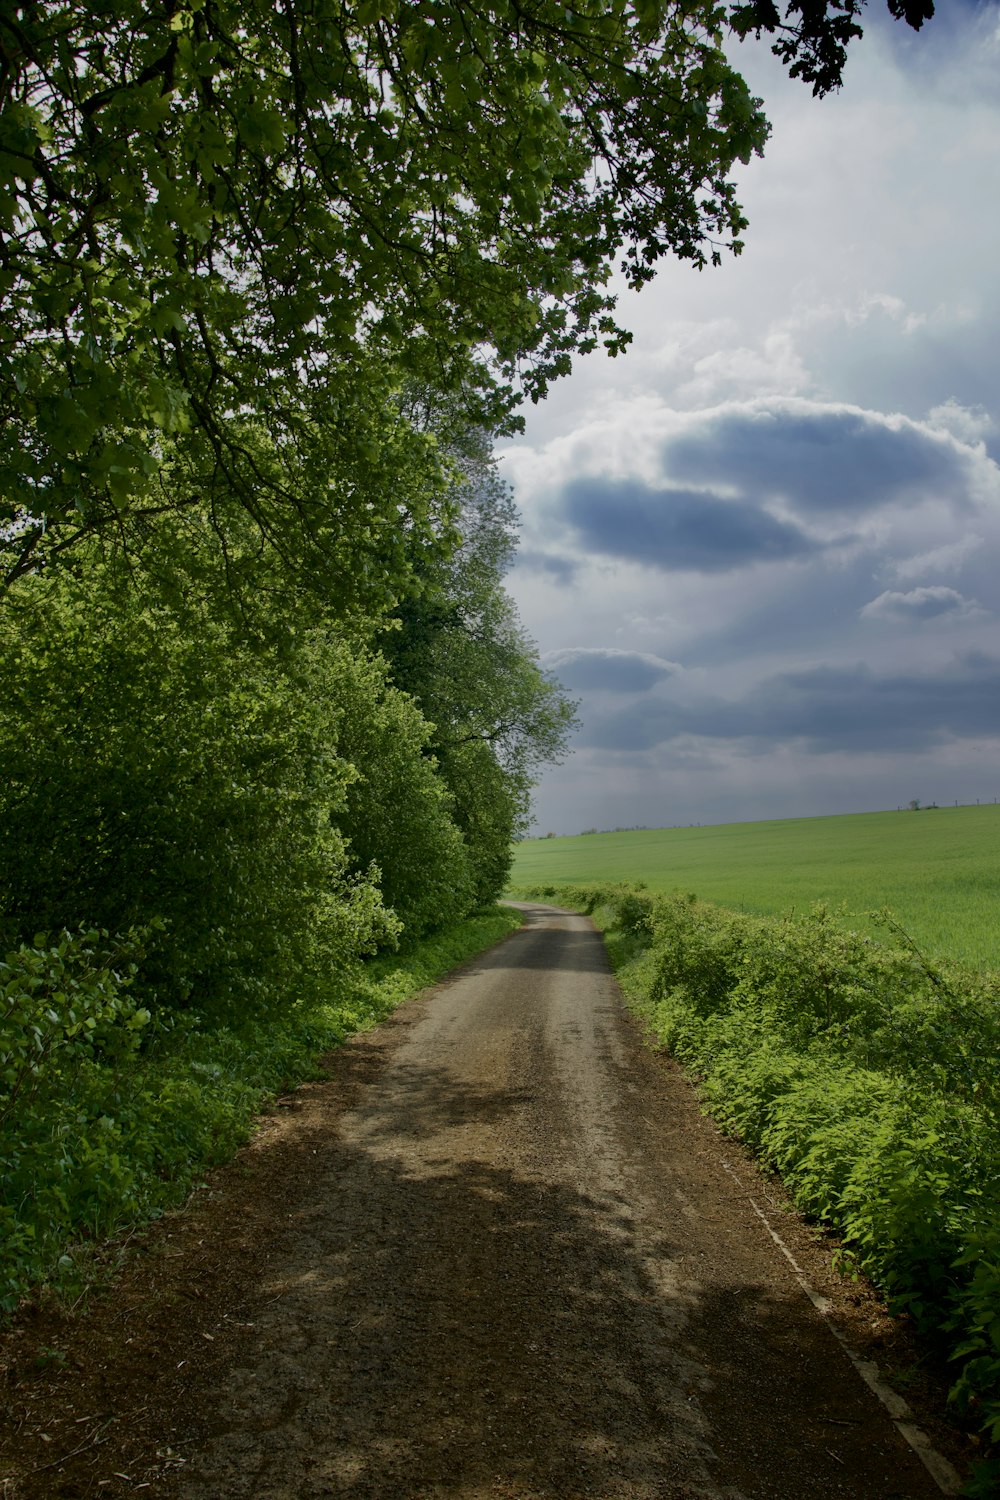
point(64, 1016)
point(104, 1125)
point(867, 1077)
point(184, 784)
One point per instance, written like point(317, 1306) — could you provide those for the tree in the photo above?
point(230, 234)
point(398, 815)
point(458, 647)
point(190, 785)
point(813, 35)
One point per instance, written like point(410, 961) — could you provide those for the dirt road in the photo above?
point(499, 1254)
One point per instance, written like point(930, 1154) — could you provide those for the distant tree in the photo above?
point(458, 647)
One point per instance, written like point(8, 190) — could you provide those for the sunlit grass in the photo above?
point(937, 869)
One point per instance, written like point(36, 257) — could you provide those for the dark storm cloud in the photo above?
point(819, 459)
point(823, 709)
point(677, 530)
point(607, 670)
point(559, 569)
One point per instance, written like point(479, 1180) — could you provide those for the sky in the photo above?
point(762, 550)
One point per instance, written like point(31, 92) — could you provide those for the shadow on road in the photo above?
point(448, 1325)
point(578, 952)
point(439, 1326)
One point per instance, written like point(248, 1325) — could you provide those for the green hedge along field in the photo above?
point(937, 869)
point(862, 1072)
point(109, 1115)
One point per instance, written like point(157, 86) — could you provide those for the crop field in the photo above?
point(938, 870)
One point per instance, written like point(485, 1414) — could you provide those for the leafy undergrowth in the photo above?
point(864, 1074)
point(108, 1116)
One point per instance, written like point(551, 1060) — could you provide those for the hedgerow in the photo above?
point(109, 1115)
point(860, 1071)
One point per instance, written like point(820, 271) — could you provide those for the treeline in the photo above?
point(216, 803)
point(259, 785)
point(864, 1074)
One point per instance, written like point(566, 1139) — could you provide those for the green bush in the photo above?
point(104, 1125)
point(861, 1072)
point(182, 783)
point(62, 1003)
point(65, 1017)
point(397, 811)
point(696, 953)
point(975, 1321)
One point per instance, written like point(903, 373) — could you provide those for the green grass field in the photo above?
point(938, 869)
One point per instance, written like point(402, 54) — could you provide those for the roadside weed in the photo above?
point(863, 1072)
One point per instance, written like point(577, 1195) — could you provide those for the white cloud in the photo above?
point(968, 424)
point(950, 557)
point(930, 603)
point(791, 481)
point(774, 367)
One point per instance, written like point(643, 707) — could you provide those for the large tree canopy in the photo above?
point(230, 232)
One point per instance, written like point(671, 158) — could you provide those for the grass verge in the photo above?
point(108, 1117)
point(865, 1075)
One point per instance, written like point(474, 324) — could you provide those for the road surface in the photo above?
point(499, 1255)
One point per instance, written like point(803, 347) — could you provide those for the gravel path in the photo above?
point(500, 1253)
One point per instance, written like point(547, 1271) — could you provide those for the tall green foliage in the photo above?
point(397, 814)
point(235, 773)
point(862, 1072)
point(457, 646)
point(230, 232)
point(182, 782)
point(233, 241)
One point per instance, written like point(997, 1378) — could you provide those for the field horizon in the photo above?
point(936, 869)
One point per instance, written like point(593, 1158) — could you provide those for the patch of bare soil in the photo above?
point(497, 1252)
